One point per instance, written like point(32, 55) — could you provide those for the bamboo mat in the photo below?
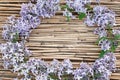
point(56, 38)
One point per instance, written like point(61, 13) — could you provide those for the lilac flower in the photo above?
point(33, 21)
point(84, 72)
point(24, 27)
point(68, 14)
point(29, 13)
point(103, 16)
point(105, 66)
point(14, 54)
point(47, 8)
point(56, 68)
point(78, 5)
point(38, 69)
point(28, 9)
point(106, 19)
point(98, 10)
point(105, 44)
point(67, 67)
point(98, 1)
point(8, 32)
point(89, 21)
point(116, 32)
point(9, 29)
point(21, 26)
point(101, 32)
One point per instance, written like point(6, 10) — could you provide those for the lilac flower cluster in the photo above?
point(102, 67)
point(36, 67)
point(85, 72)
point(102, 17)
point(60, 69)
point(47, 8)
point(105, 19)
point(14, 54)
point(9, 30)
point(21, 26)
point(105, 66)
point(102, 32)
point(105, 44)
point(40, 70)
point(42, 8)
point(30, 18)
point(77, 5)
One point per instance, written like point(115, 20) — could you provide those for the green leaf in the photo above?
point(63, 7)
point(97, 75)
point(113, 48)
point(68, 17)
point(15, 38)
point(53, 76)
point(81, 15)
point(102, 53)
point(117, 36)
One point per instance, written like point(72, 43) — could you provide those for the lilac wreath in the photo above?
point(16, 56)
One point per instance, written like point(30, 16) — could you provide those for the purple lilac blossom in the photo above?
point(29, 13)
point(105, 44)
point(84, 72)
point(116, 32)
point(14, 54)
point(67, 67)
point(105, 66)
point(104, 16)
point(9, 29)
point(89, 21)
point(28, 9)
point(78, 5)
point(101, 32)
point(68, 14)
point(56, 68)
point(21, 26)
point(24, 27)
point(47, 8)
point(37, 67)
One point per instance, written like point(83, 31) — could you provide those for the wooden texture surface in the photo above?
point(56, 38)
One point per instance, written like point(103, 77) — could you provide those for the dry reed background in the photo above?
point(56, 38)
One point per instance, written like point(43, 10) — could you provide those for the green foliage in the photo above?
point(63, 7)
point(68, 17)
point(15, 37)
point(113, 48)
point(114, 45)
point(117, 36)
point(81, 15)
point(102, 53)
point(97, 75)
point(53, 76)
